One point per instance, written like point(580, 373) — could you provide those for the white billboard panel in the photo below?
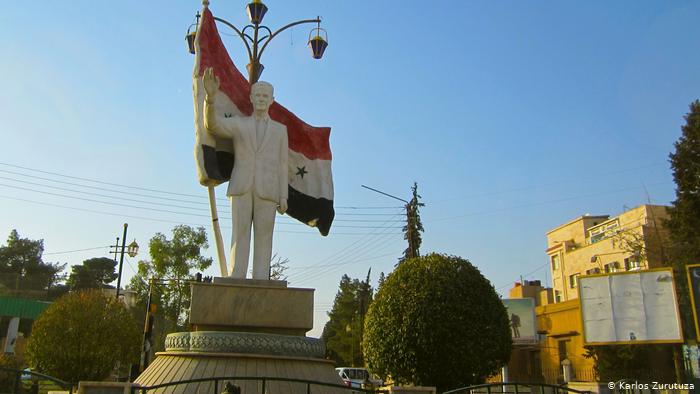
point(630, 307)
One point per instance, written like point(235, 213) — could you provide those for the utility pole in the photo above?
point(148, 327)
point(411, 217)
point(408, 216)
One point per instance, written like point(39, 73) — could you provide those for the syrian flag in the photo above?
point(310, 179)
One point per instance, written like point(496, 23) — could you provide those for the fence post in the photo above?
point(263, 386)
point(308, 388)
point(17, 381)
point(216, 386)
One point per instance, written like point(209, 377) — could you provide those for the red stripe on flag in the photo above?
point(312, 142)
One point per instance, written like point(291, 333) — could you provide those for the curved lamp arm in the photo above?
point(240, 34)
point(317, 20)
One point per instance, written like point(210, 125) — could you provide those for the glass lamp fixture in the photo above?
point(133, 249)
point(318, 44)
point(256, 11)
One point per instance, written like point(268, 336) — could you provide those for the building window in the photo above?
point(555, 262)
point(612, 267)
point(593, 271)
point(573, 280)
point(557, 296)
point(602, 231)
point(632, 264)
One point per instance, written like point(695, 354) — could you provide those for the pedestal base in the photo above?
point(245, 328)
point(178, 366)
point(247, 305)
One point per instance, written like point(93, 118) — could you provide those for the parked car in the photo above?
point(358, 378)
point(26, 374)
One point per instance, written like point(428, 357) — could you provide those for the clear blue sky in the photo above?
point(513, 117)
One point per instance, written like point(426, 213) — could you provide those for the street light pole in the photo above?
point(131, 251)
point(121, 259)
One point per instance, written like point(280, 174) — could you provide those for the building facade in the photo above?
point(633, 240)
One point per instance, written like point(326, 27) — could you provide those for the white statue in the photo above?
point(259, 180)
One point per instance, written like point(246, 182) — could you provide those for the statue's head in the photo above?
point(262, 95)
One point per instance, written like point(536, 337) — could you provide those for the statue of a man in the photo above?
point(259, 180)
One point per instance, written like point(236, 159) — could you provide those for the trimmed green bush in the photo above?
point(82, 336)
point(436, 321)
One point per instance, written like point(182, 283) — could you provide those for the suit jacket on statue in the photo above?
point(262, 167)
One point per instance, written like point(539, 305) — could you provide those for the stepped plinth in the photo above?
point(245, 327)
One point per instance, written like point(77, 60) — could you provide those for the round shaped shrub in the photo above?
point(83, 336)
point(436, 321)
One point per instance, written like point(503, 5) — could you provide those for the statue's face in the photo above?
point(261, 97)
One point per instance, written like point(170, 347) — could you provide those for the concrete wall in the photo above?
point(561, 322)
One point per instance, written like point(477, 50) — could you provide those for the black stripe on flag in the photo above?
point(217, 164)
point(307, 209)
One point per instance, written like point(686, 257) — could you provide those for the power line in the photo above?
point(103, 188)
point(343, 263)
point(157, 209)
point(121, 193)
point(348, 254)
point(315, 276)
point(138, 187)
point(123, 215)
point(525, 275)
point(76, 250)
point(121, 197)
point(341, 251)
point(99, 194)
point(100, 182)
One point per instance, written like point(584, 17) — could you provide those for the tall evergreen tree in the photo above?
point(344, 330)
point(413, 228)
point(94, 273)
point(22, 269)
point(684, 215)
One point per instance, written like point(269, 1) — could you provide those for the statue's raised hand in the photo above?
point(211, 82)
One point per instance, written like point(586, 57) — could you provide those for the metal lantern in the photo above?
point(256, 11)
point(192, 34)
point(318, 44)
point(190, 40)
point(255, 70)
point(132, 249)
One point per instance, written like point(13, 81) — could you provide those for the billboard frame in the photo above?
point(535, 340)
point(635, 342)
point(692, 298)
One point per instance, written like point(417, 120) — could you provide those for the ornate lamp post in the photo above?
point(131, 250)
point(262, 35)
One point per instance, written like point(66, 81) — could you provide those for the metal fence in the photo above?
point(218, 384)
point(17, 381)
point(515, 388)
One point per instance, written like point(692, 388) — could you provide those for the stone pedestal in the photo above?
point(254, 306)
point(245, 328)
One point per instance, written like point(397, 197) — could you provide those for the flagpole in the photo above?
point(217, 231)
point(221, 254)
